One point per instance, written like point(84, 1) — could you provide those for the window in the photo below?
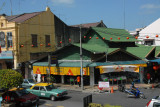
point(47, 37)
point(35, 88)
point(25, 81)
point(42, 89)
point(2, 39)
point(34, 40)
point(148, 43)
point(9, 39)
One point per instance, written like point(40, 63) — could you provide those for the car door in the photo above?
point(43, 92)
point(35, 90)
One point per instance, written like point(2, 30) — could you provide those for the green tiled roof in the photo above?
point(96, 48)
point(114, 34)
point(157, 52)
point(140, 52)
point(73, 53)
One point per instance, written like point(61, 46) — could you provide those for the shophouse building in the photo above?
point(105, 50)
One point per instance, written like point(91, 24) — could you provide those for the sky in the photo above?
point(121, 14)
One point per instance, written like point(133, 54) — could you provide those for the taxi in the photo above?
point(20, 96)
point(47, 90)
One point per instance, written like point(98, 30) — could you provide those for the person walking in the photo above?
point(78, 80)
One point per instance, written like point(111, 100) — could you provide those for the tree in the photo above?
point(10, 78)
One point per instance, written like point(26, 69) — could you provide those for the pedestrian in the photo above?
point(78, 80)
point(71, 80)
point(148, 77)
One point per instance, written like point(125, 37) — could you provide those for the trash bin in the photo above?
point(0, 101)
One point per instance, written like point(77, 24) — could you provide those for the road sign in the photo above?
point(54, 59)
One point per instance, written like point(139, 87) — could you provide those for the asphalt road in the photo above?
point(75, 99)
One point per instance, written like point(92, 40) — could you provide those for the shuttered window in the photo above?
point(9, 39)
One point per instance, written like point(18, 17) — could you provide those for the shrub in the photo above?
point(10, 78)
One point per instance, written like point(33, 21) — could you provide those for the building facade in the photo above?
point(29, 36)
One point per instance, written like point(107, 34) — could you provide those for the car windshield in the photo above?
point(22, 92)
point(31, 80)
point(50, 87)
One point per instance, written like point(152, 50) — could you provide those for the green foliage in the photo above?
point(10, 78)
point(94, 105)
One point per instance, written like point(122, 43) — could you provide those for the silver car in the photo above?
point(154, 102)
point(27, 83)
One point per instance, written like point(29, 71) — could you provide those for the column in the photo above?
point(92, 80)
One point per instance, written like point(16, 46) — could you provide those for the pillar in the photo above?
point(62, 79)
point(141, 74)
point(92, 79)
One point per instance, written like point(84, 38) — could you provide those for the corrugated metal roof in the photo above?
point(87, 25)
point(90, 64)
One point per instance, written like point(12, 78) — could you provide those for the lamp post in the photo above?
point(81, 60)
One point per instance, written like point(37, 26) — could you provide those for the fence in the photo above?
point(87, 100)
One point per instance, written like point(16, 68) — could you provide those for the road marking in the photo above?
point(49, 105)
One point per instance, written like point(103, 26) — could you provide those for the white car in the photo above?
point(154, 102)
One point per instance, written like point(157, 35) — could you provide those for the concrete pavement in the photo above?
point(94, 89)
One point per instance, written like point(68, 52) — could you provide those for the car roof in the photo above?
point(16, 89)
point(43, 84)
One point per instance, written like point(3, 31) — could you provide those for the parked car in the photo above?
point(47, 90)
point(27, 83)
point(2, 90)
point(20, 96)
point(154, 102)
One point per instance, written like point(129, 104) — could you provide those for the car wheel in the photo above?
point(53, 98)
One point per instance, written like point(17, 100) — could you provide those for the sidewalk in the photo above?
point(94, 89)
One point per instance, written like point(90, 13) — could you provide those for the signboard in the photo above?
point(54, 59)
point(6, 55)
point(60, 70)
point(103, 84)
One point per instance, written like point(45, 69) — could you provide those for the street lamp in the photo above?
point(81, 59)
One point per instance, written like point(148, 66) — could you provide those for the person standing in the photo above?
point(78, 80)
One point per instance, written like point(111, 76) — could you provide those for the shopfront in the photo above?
point(62, 74)
point(118, 74)
point(6, 60)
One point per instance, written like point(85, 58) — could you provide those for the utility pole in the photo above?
point(81, 59)
point(11, 7)
point(124, 15)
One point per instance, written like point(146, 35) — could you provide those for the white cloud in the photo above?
point(63, 1)
point(150, 6)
